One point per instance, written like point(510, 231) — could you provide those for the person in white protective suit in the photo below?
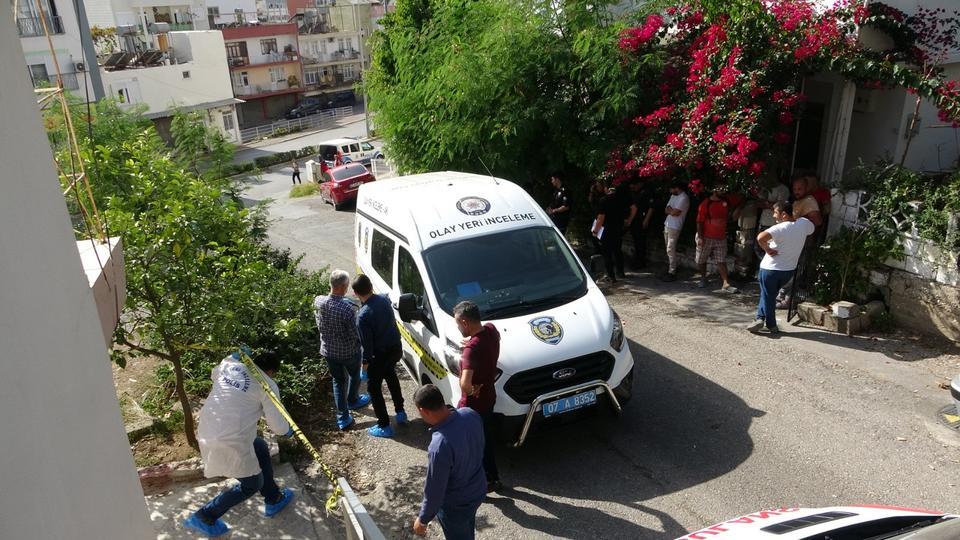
point(229, 445)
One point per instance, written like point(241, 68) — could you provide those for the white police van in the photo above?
point(433, 240)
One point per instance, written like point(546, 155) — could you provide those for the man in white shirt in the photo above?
point(782, 244)
point(676, 212)
point(229, 445)
point(773, 193)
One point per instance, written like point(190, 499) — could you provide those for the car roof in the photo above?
point(433, 208)
point(338, 141)
point(351, 165)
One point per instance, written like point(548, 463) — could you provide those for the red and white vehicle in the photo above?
point(866, 522)
point(339, 185)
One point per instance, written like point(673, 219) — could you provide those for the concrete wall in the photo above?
point(65, 463)
point(69, 52)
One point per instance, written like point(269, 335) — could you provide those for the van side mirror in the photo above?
point(408, 309)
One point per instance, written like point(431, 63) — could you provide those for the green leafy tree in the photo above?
point(200, 146)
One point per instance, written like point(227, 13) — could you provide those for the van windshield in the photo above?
point(507, 274)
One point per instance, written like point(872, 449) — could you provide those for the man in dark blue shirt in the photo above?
point(380, 339)
point(456, 483)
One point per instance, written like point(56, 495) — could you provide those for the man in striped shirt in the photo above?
point(340, 346)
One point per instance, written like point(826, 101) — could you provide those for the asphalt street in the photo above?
point(723, 422)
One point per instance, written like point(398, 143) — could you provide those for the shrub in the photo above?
point(304, 190)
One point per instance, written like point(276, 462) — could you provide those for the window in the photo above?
point(268, 46)
point(314, 48)
point(277, 74)
point(213, 11)
point(237, 53)
point(354, 148)
point(38, 73)
point(381, 256)
point(341, 44)
point(352, 170)
point(349, 71)
point(366, 147)
point(123, 95)
point(345, 149)
point(186, 74)
point(409, 280)
point(240, 78)
point(311, 76)
point(228, 124)
point(473, 269)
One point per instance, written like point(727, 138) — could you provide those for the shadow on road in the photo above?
point(591, 478)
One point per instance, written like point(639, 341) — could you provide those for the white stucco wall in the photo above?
point(162, 88)
point(227, 8)
point(36, 50)
point(65, 463)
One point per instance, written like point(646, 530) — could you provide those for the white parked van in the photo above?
point(433, 240)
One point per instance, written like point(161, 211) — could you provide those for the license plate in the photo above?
point(570, 403)
point(355, 184)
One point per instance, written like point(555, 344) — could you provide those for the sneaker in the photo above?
point(729, 289)
point(670, 276)
point(381, 432)
point(756, 326)
point(773, 331)
point(494, 486)
point(362, 401)
point(401, 418)
point(195, 524)
point(344, 424)
point(271, 510)
point(702, 284)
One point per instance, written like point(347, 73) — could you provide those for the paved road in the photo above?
point(351, 126)
point(723, 422)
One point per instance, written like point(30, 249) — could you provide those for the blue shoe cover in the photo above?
point(363, 375)
point(362, 401)
point(345, 424)
point(402, 418)
point(271, 510)
point(382, 432)
point(194, 523)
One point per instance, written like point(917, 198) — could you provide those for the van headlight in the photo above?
point(616, 337)
point(451, 354)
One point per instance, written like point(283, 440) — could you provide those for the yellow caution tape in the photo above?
point(334, 498)
point(435, 367)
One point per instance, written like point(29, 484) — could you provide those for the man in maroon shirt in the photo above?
point(478, 369)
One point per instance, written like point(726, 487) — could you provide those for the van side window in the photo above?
point(354, 147)
point(409, 280)
point(381, 256)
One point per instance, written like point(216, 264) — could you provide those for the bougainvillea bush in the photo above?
point(729, 90)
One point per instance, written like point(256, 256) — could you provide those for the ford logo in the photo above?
point(565, 373)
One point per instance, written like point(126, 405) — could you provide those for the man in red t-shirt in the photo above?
point(478, 370)
point(712, 219)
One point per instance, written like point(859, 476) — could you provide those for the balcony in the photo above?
point(264, 90)
point(332, 58)
point(336, 81)
point(33, 26)
point(264, 60)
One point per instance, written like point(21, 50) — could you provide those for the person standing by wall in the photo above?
point(455, 485)
point(638, 223)
point(676, 211)
point(711, 239)
point(340, 346)
point(782, 245)
point(478, 369)
point(608, 229)
point(381, 352)
point(295, 178)
point(229, 445)
point(774, 192)
point(559, 208)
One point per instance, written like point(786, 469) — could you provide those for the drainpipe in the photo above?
point(89, 53)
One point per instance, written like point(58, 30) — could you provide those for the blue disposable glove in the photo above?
point(289, 433)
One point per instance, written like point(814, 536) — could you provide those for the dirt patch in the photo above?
point(158, 448)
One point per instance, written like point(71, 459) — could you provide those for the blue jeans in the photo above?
point(262, 482)
point(770, 283)
point(345, 373)
point(458, 522)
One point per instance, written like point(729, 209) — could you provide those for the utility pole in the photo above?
point(363, 66)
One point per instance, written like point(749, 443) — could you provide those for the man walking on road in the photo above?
point(559, 208)
point(782, 245)
point(478, 368)
point(381, 352)
point(229, 445)
point(340, 346)
point(295, 179)
point(455, 484)
point(676, 211)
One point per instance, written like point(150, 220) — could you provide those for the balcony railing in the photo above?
point(181, 27)
point(336, 56)
point(272, 58)
point(32, 26)
point(254, 90)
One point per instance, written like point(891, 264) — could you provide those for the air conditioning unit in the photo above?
point(80, 66)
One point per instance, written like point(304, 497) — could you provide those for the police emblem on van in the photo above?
point(547, 330)
point(473, 206)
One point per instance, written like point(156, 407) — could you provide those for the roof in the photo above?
point(346, 140)
point(189, 108)
point(433, 208)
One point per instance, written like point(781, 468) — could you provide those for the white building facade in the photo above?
point(61, 21)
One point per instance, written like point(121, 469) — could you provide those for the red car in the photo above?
point(340, 184)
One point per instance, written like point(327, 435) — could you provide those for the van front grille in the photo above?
point(527, 385)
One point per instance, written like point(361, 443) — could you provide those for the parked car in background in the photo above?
point(340, 184)
point(305, 108)
point(314, 104)
point(351, 150)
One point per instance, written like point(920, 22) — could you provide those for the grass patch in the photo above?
point(304, 190)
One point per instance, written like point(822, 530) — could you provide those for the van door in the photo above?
point(428, 366)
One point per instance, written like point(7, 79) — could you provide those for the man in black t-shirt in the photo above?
point(609, 227)
point(559, 208)
point(638, 223)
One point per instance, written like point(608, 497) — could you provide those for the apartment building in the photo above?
point(142, 24)
point(333, 43)
point(62, 22)
point(265, 69)
point(192, 74)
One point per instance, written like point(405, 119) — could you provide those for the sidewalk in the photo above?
point(304, 519)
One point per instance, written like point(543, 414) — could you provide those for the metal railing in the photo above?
point(250, 90)
point(32, 26)
point(321, 120)
point(382, 169)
